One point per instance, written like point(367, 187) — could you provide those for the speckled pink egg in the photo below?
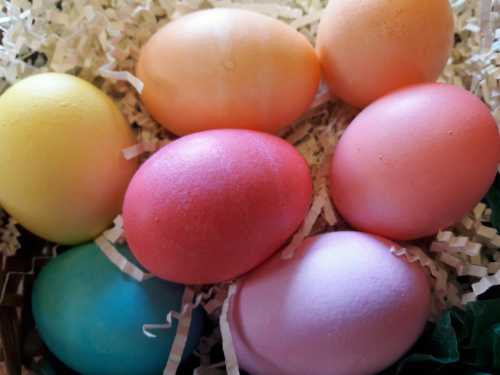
point(344, 305)
point(213, 205)
point(415, 161)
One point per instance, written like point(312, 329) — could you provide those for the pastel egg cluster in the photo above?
point(217, 204)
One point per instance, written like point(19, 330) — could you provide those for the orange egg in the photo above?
point(227, 68)
point(415, 161)
point(368, 48)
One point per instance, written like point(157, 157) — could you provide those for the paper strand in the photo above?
point(289, 251)
point(186, 309)
point(9, 275)
point(181, 336)
point(227, 339)
point(414, 254)
point(216, 302)
point(107, 71)
point(485, 24)
point(114, 234)
point(140, 148)
point(120, 261)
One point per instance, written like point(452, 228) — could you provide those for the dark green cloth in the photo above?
point(460, 342)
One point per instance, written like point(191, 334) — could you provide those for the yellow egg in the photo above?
point(62, 173)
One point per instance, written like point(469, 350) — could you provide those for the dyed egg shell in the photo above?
point(62, 172)
point(90, 315)
point(369, 48)
point(415, 161)
point(343, 305)
point(213, 205)
point(227, 68)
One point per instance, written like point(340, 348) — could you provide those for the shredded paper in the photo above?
point(9, 235)
point(121, 261)
point(99, 41)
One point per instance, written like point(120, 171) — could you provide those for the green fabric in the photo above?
point(460, 342)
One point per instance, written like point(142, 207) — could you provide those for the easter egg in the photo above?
point(415, 161)
point(62, 173)
point(213, 205)
point(369, 48)
point(343, 305)
point(90, 315)
point(227, 68)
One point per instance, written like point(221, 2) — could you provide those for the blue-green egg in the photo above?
point(90, 315)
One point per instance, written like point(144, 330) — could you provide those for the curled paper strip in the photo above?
point(318, 205)
point(217, 301)
point(480, 211)
point(106, 72)
point(475, 253)
point(474, 270)
point(232, 367)
point(181, 336)
point(472, 226)
point(120, 261)
point(323, 95)
point(453, 262)
point(140, 148)
point(134, 151)
point(484, 234)
point(447, 242)
point(486, 283)
point(114, 234)
point(414, 254)
point(187, 308)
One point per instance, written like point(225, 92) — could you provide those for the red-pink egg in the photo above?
point(213, 205)
point(415, 161)
point(343, 305)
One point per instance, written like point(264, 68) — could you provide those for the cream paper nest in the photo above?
point(100, 40)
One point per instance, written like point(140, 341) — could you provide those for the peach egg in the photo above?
point(415, 161)
point(227, 68)
point(369, 48)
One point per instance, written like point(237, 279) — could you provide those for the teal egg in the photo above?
point(90, 315)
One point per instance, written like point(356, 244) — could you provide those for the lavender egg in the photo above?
point(343, 305)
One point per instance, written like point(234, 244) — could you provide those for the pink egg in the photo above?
point(344, 305)
point(213, 205)
point(415, 161)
